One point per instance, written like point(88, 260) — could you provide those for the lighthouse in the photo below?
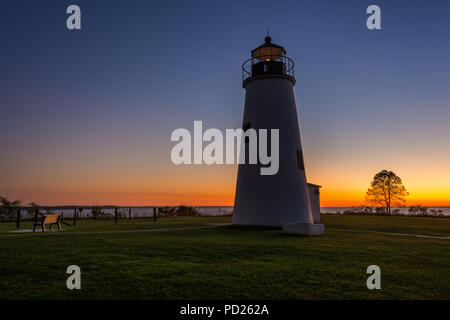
point(282, 199)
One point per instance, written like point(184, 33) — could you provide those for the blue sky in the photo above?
point(137, 70)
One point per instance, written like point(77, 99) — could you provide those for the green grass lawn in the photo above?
point(130, 261)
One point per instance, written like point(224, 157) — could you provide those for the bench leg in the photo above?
point(50, 229)
point(43, 227)
point(34, 228)
point(59, 226)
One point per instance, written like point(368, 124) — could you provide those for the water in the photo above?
point(141, 212)
point(402, 210)
point(147, 212)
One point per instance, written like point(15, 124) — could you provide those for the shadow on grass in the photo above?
point(255, 228)
point(291, 235)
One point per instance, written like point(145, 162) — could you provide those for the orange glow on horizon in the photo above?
point(142, 184)
point(210, 197)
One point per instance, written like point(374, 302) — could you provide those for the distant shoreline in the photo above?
point(67, 207)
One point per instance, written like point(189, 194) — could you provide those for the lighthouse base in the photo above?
point(304, 229)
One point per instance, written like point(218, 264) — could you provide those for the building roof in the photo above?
point(313, 185)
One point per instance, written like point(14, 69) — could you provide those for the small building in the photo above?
point(314, 199)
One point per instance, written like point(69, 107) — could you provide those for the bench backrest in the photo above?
point(51, 218)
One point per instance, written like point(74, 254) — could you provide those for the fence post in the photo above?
point(75, 216)
point(115, 215)
point(154, 214)
point(19, 211)
point(36, 215)
point(129, 214)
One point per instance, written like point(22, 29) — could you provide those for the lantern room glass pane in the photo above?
point(268, 53)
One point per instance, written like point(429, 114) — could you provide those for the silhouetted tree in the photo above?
point(185, 210)
point(97, 212)
point(418, 210)
point(33, 207)
point(9, 208)
point(386, 190)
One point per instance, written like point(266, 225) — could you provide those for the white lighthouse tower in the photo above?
point(282, 199)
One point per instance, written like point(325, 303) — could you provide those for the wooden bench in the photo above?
point(50, 219)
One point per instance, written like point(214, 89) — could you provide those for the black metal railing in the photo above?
point(249, 67)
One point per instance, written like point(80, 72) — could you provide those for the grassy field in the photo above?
point(142, 259)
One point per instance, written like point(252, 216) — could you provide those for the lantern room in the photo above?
point(267, 59)
point(268, 51)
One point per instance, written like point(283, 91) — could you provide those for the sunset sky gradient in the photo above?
point(86, 116)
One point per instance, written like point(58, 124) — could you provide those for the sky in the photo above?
point(86, 116)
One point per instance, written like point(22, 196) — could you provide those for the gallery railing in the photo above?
point(251, 66)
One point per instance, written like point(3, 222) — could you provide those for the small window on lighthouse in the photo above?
point(245, 127)
point(300, 163)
